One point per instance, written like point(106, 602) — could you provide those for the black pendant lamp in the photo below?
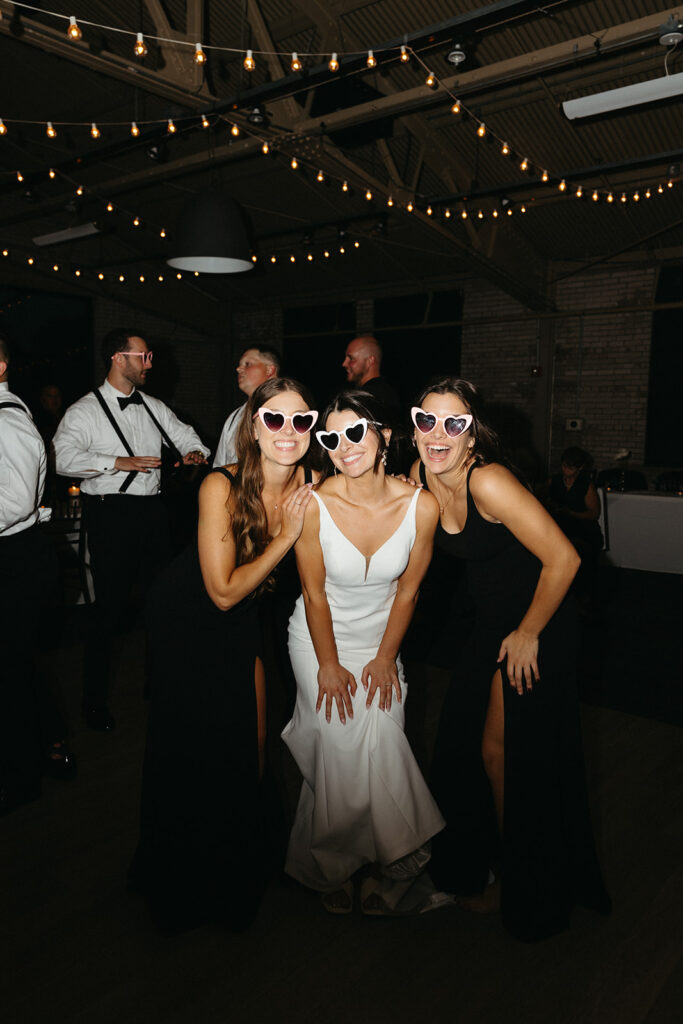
point(211, 236)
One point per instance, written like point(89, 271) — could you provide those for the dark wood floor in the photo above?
point(79, 949)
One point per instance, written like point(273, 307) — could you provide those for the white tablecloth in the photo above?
point(643, 530)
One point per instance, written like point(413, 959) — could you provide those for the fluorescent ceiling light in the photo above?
point(68, 235)
point(628, 96)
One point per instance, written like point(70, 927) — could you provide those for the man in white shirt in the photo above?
point(113, 439)
point(254, 367)
point(27, 575)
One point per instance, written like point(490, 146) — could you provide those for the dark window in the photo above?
point(315, 339)
point(664, 440)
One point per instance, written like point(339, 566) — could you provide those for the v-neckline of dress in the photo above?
point(367, 558)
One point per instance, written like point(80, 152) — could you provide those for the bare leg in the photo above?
point(260, 688)
point(492, 751)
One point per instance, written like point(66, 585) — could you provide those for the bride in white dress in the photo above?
point(365, 546)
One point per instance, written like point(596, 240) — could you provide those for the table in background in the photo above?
point(643, 530)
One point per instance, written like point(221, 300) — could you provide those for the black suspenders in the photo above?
point(165, 438)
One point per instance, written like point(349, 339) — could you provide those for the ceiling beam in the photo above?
point(54, 41)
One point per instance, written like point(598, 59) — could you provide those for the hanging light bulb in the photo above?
point(333, 63)
point(544, 176)
point(480, 214)
point(447, 213)
point(429, 211)
point(522, 208)
point(55, 267)
point(670, 183)
point(110, 207)
point(660, 190)
point(30, 261)
point(134, 130)
point(309, 257)
point(648, 193)
point(50, 131)
point(3, 127)
point(294, 163)
point(73, 31)
point(100, 276)
point(342, 250)
point(121, 278)
point(405, 56)
point(356, 244)
point(636, 197)
point(199, 55)
point(494, 213)
point(372, 60)
point(296, 63)
point(140, 47)
point(265, 148)
point(79, 190)
point(77, 273)
point(136, 222)
point(205, 121)
point(345, 186)
point(524, 166)
point(390, 200)
point(562, 186)
point(463, 214)
point(455, 109)
point(505, 149)
point(171, 126)
point(430, 80)
point(20, 176)
point(596, 196)
point(52, 173)
point(623, 197)
point(509, 211)
point(409, 206)
point(579, 192)
point(179, 276)
point(273, 259)
point(320, 176)
point(162, 233)
point(610, 197)
point(481, 130)
point(94, 131)
point(234, 131)
point(249, 62)
point(368, 194)
point(326, 254)
point(292, 258)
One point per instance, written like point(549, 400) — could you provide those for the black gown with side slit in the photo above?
point(203, 848)
point(547, 853)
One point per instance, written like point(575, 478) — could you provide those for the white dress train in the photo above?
point(363, 798)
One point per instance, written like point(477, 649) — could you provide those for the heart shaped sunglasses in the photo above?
point(274, 421)
point(353, 432)
point(426, 422)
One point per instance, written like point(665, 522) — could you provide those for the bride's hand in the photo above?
point(381, 674)
point(336, 683)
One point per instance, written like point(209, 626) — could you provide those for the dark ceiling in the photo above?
point(380, 129)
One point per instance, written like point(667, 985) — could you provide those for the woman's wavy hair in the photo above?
point(365, 406)
point(249, 519)
point(487, 447)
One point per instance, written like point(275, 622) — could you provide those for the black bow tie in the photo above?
point(134, 398)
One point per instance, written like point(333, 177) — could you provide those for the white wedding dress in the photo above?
point(363, 798)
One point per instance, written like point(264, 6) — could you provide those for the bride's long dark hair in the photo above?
point(249, 520)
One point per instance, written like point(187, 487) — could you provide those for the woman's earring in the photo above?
point(384, 457)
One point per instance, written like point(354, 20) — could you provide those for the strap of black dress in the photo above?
point(308, 475)
point(223, 470)
point(423, 476)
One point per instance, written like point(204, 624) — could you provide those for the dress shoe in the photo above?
point(60, 762)
point(97, 717)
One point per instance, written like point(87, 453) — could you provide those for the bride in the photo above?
point(365, 546)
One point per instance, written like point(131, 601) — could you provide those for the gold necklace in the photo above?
point(444, 506)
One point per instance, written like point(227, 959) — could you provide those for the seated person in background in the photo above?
point(573, 500)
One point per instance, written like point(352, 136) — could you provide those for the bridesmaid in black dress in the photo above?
point(203, 849)
point(508, 769)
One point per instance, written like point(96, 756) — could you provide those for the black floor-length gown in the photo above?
point(548, 857)
point(204, 845)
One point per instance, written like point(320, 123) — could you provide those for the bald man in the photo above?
point(363, 363)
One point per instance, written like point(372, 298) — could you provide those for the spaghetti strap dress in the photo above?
point(202, 853)
point(363, 798)
point(547, 856)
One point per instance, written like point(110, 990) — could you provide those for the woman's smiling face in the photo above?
point(352, 459)
point(438, 451)
point(285, 446)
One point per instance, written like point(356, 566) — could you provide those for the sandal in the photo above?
point(371, 903)
point(340, 901)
